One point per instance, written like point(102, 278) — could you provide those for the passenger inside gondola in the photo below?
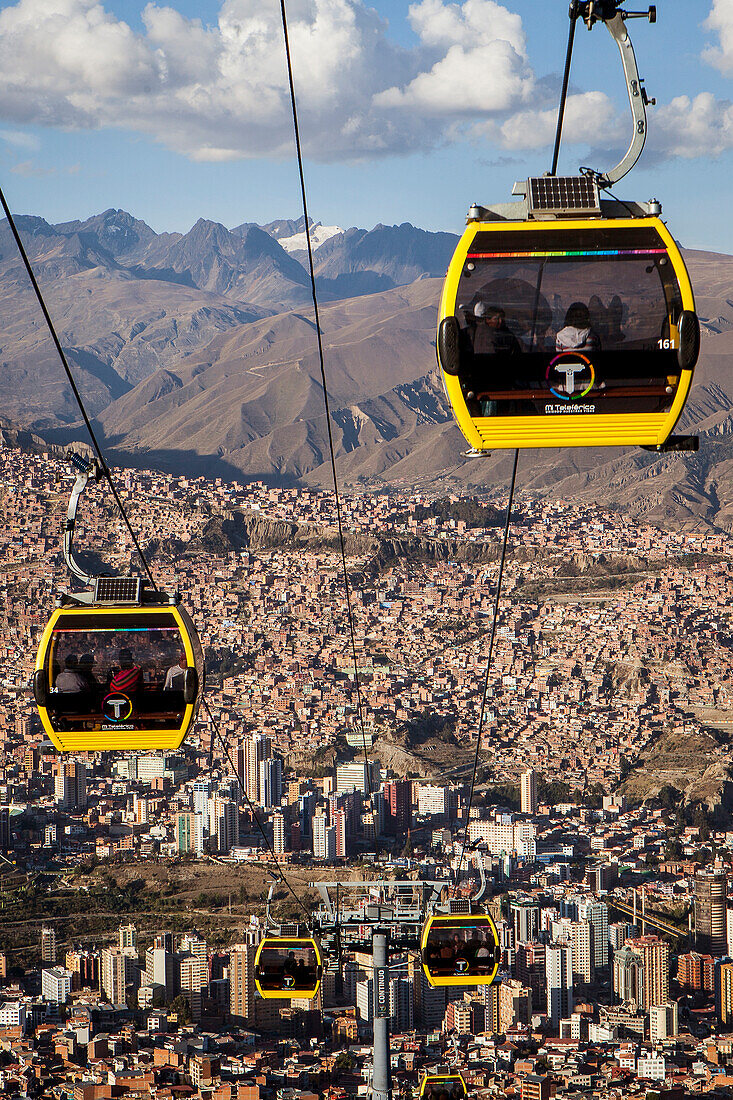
point(517, 310)
point(461, 952)
point(117, 658)
point(292, 969)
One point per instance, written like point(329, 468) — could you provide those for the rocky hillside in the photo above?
point(697, 765)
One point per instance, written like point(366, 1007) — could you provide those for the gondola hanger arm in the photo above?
point(85, 469)
point(608, 12)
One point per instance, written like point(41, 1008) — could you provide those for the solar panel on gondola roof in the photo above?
point(114, 590)
point(555, 194)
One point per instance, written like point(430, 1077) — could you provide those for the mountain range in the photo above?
point(197, 352)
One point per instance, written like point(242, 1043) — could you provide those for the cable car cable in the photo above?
point(326, 402)
point(573, 13)
point(74, 389)
point(281, 874)
point(497, 597)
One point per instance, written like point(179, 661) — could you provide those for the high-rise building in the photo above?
point(194, 980)
point(190, 832)
point(619, 933)
point(364, 1001)
point(84, 969)
point(56, 985)
point(70, 787)
point(278, 833)
point(529, 964)
point(162, 968)
point(528, 792)
point(324, 838)
point(357, 777)
point(711, 933)
point(596, 913)
point(578, 934)
point(250, 754)
point(663, 1021)
point(397, 806)
point(270, 784)
point(696, 972)
point(127, 936)
point(628, 975)
point(400, 1005)
point(515, 1004)
point(724, 992)
point(559, 970)
point(491, 1007)
point(525, 918)
point(429, 1006)
point(340, 824)
point(655, 955)
point(139, 809)
point(241, 981)
point(6, 840)
point(114, 972)
point(200, 802)
point(224, 822)
point(48, 944)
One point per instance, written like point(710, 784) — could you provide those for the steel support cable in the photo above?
point(573, 13)
point(74, 388)
point(326, 402)
point(107, 473)
point(281, 874)
point(494, 621)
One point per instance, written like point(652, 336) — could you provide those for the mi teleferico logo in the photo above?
point(116, 707)
point(570, 375)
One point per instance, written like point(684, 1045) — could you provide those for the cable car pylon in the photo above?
point(405, 915)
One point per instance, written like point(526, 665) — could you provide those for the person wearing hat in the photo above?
point(491, 336)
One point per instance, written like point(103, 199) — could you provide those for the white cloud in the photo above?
point(215, 93)
point(29, 168)
point(720, 22)
point(583, 116)
point(20, 139)
point(219, 92)
point(698, 127)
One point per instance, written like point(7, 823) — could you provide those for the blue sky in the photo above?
point(408, 113)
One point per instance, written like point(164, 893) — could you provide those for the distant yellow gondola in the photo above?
point(460, 950)
point(446, 1086)
point(288, 967)
point(118, 677)
point(570, 332)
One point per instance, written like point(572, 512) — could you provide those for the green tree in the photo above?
point(182, 1009)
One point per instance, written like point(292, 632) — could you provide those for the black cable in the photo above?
point(100, 457)
point(281, 874)
point(565, 80)
point(497, 597)
point(615, 198)
point(319, 336)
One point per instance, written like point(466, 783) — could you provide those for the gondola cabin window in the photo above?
point(573, 316)
point(113, 674)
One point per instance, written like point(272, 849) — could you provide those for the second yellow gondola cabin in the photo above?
point(288, 967)
point(460, 950)
point(118, 677)
point(445, 1086)
point(560, 330)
